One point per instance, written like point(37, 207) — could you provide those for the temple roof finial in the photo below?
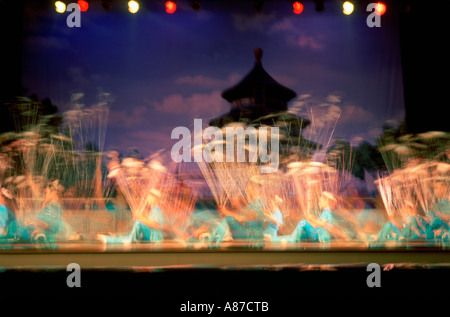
point(260, 86)
point(258, 54)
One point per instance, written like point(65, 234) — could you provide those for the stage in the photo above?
point(159, 136)
point(169, 275)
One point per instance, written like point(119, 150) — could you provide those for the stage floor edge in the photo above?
point(231, 255)
point(169, 277)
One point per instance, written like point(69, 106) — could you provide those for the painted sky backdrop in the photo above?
point(162, 71)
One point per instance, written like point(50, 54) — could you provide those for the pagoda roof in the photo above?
point(259, 115)
point(258, 78)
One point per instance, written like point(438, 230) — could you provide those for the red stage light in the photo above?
point(380, 8)
point(298, 7)
point(171, 7)
point(84, 5)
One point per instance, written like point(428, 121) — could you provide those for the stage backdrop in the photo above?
point(157, 71)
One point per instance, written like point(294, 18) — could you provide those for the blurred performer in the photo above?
point(234, 220)
point(326, 225)
point(303, 232)
point(415, 225)
point(243, 220)
point(8, 221)
point(148, 225)
point(49, 220)
point(439, 214)
point(370, 221)
point(274, 219)
point(254, 211)
point(318, 229)
point(179, 207)
point(204, 223)
point(391, 228)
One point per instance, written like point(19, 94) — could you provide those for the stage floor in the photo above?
point(94, 254)
point(170, 275)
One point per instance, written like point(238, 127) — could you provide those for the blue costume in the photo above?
point(238, 230)
point(3, 217)
point(416, 227)
point(436, 223)
point(255, 227)
point(221, 230)
point(303, 232)
point(209, 219)
point(371, 219)
point(7, 223)
point(389, 232)
point(306, 232)
point(51, 214)
point(323, 234)
point(272, 228)
point(253, 230)
point(141, 232)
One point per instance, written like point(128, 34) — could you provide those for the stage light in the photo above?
point(133, 6)
point(60, 7)
point(84, 5)
point(297, 6)
point(348, 8)
point(380, 8)
point(171, 7)
point(196, 5)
